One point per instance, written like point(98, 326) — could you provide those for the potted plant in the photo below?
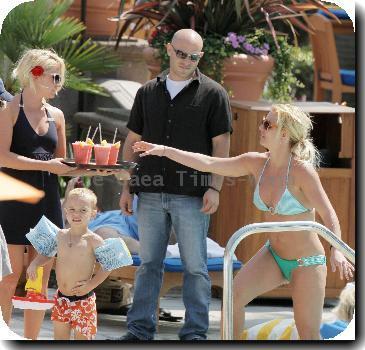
point(96, 14)
point(239, 37)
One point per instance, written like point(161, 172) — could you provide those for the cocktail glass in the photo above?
point(102, 153)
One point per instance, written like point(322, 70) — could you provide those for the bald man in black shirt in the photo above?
point(185, 109)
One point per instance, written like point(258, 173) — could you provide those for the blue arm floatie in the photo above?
point(113, 254)
point(43, 237)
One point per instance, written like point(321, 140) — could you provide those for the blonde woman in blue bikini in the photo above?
point(288, 188)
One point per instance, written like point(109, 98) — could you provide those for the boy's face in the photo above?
point(79, 211)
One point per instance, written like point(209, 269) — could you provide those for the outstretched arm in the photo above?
point(235, 166)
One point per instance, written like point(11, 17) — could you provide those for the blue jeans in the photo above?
point(157, 212)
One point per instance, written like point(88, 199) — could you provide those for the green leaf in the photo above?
point(78, 82)
point(40, 24)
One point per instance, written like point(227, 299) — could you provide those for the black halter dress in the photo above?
point(17, 218)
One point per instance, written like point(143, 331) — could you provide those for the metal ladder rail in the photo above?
point(248, 230)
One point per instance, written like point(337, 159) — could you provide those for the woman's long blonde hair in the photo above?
point(47, 59)
point(298, 125)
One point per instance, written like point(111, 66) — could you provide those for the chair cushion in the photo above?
point(175, 265)
point(330, 330)
point(348, 77)
point(339, 13)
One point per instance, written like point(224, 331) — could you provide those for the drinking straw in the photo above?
point(70, 151)
point(101, 139)
point(88, 132)
point(115, 135)
point(96, 130)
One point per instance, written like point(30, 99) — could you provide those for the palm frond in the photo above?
point(76, 81)
point(39, 25)
point(88, 56)
point(62, 30)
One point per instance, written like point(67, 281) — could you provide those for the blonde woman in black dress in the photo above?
point(32, 139)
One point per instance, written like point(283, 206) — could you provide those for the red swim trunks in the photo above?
point(79, 312)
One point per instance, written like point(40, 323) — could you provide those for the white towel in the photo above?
point(173, 251)
point(214, 250)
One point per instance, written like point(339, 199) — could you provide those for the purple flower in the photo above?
point(241, 38)
point(232, 36)
point(235, 44)
point(248, 47)
point(266, 46)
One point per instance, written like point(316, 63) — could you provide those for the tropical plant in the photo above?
point(283, 83)
point(218, 17)
point(40, 24)
point(228, 27)
point(303, 70)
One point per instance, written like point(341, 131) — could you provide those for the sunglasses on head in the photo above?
point(183, 55)
point(266, 124)
point(57, 80)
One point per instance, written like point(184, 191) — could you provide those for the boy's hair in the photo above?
point(84, 193)
point(346, 306)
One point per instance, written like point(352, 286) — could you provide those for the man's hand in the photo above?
point(126, 202)
point(210, 202)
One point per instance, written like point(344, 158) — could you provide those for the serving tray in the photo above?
point(92, 166)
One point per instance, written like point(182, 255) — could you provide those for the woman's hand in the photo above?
point(55, 166)
point(148, 149)
point(339, 261)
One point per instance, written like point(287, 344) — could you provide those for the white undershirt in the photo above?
point(175, 86)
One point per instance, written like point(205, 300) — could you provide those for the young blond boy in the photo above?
point(77, 250)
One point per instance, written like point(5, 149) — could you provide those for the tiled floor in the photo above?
point(115, 325)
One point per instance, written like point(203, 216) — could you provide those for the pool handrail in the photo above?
point(265, 227)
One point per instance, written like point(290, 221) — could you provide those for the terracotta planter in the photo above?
point(150, 55)
point(245, 76)
point(97, 14)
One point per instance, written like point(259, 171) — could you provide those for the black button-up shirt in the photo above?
point(198, 113)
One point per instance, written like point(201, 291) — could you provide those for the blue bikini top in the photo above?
point(287, 205)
